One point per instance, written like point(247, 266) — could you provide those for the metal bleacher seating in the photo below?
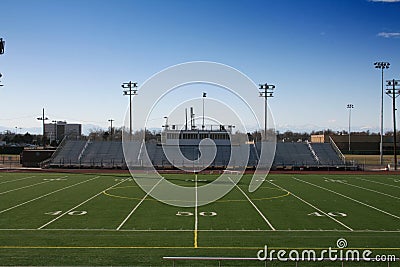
point(110, 154)
point(326, 154)
point(69, 153)
point(293, 154)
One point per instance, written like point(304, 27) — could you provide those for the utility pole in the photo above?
point(55, 130)
point(350, 107)
point(266, 92)
point(393, 91)
point(111, 128)
point(43, 119)
point(130, 92)
point(382, 66)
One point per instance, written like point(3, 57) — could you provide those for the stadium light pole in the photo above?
point(350, 107)
point(130, 92)
point(393, 90)
point(204, 96)
point(382, 66)
point(111, 128)
point(43, 119)
point(266, 92)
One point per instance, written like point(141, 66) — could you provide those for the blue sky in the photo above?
point(70, 57)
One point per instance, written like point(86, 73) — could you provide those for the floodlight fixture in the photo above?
point(130, 92)
point(266, 91)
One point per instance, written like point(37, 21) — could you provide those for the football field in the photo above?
point(106, 219)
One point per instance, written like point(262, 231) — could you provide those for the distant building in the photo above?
point(60, 129)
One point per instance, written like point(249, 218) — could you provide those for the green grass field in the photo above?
point(92, 219)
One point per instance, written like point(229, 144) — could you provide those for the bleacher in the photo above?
point(89, 154)
point(69, 153)
point(102, 154)
point(293, 154)
point(109, 154)
point(326, 154)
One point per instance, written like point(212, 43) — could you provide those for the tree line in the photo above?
point(115, 134)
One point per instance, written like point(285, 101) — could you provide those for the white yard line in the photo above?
point(352, 199)
point(137, 206)
point(19, 188)
point(375, 182)
point(80, 204)
point(314, 207)
point(29, 201)
point(19, 179)
point(27, 186)
point(251, 202)
point(196, 220)
point(371, 190)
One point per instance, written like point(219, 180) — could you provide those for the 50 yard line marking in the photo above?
point(195, 214)
point(135, 208)
point(254, 205)
point(77, 206)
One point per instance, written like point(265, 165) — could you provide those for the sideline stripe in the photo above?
point(17, 179)
point(209, 230)
point(251, 202)
point(77, 206)
point(314, 207)
point(172, 247)
point(352, 199)
point(48, 194)
point(137, 206)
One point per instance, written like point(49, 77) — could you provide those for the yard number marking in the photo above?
point(332, 213)
point(203, 213)
point(123, 179)
point(208, 213)
point(193, 180)
point(72, 213)
point(334, 181)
